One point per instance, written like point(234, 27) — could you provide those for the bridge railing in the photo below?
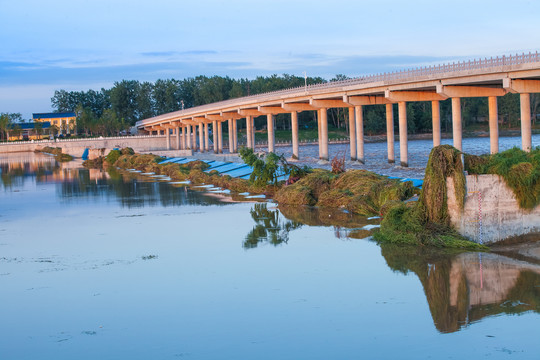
point(56, 141)
point(405, 74)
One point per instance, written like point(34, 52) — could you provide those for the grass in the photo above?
point(57, 152)
point(519, 169)
point(427, 222)
point(357, 191)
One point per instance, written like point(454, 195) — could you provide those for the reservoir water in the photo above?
point(97, 265)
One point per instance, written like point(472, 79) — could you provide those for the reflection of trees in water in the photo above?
point(345, 225)
point(16, 173)
point(462, 288)
point(270, 227)
point(131, 190)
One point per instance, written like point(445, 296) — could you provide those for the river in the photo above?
point(97, 265)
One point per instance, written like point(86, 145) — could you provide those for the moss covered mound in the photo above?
point(519, 169)
point(426, 222)
point(444, 161)
point(57, 152)
point(358, 191)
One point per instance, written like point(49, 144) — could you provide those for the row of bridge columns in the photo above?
point(187, 138)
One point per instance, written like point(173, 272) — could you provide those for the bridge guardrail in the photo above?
point(405, 74)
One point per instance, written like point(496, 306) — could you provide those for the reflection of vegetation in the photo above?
point(129, 189)
point(315, 216)
point(270, 227)
point(462, 288)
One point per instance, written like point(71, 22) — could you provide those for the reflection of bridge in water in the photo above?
point(467, 287)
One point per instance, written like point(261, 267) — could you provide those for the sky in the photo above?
point(78, 45)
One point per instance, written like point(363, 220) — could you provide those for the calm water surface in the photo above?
point(97, 265)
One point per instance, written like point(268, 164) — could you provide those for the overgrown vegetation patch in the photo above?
point(57, 152)
point(519, 169)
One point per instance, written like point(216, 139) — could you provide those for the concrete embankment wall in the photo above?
point(491, 213)
point(75, 147)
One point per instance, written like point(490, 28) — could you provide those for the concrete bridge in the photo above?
point(489, 78)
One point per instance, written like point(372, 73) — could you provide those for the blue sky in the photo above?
point(81, 45)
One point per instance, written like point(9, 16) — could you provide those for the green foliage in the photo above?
point(112, 156)
point(268, 167)
point(57, 152)
point(406, 225)
point(519, 169)
point(444, 161)
point(427, 222)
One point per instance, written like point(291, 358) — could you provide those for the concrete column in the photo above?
point(403, 145)
point(231, 136)
point(168, 135)
point(188, 137)
point(493, 125)
point(390, 133)
point(178, 145)
point(526, 136)
point(359, 124)
point(220, 137)
point(215, 136)
point(184, 143)
point(324, 134)
point(436, 122)
point(201, 137)
point(235, 135)
point(352, 134)
point(194, 137)
point(456, 123)
point(253, 133)
point(319, 132)
point(270, 128)
point(206, 137)
point(294, 127)
point(249, 136)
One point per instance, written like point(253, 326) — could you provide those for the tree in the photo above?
point(4, 123)
point(124, 100)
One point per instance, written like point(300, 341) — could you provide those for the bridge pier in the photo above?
point(168, 136)
point(215, 136)
point(220, 137)
point(390, 133)
point(177, 133)
point(235, 135)
point(493, 125)
point(359, 129)
point(184, 144)
point(294, 127)
point(249, 130)
point(456, 123)
point(201, 137)
point(403, 144)
point(270, 129)
point(188, 137)
point(323, 140)
point(436, 122)
point(206, 137)
point(526, 133)
point(352, 133)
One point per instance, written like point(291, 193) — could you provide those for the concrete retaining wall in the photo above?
point(76, 147)
point(491, 213)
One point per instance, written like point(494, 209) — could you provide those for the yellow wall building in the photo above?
point(65, 122)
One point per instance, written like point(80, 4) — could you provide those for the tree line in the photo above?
point(109, 111)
